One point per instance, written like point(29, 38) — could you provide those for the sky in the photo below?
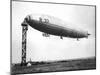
point(51, 48)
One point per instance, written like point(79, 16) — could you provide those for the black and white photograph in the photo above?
point(52, 37)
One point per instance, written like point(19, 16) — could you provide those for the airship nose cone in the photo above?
point(25, 22)
point(27, 18)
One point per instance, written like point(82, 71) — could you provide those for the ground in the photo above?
point(63, 65)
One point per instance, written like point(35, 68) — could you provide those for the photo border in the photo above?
point(52, 3)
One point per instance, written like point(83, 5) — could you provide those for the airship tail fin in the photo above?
point(88, 35)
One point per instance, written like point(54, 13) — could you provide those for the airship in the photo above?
point(50, 25)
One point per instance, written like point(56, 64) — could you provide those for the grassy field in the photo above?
point(64, 65)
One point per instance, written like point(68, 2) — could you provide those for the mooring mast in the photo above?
point(24, 41)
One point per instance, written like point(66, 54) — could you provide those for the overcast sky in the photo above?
point(41, 48)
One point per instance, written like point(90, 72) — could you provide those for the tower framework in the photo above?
point(24, 43)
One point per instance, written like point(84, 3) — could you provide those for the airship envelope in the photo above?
point(54, 26)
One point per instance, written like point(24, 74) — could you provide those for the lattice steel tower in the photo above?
point(24, 41)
